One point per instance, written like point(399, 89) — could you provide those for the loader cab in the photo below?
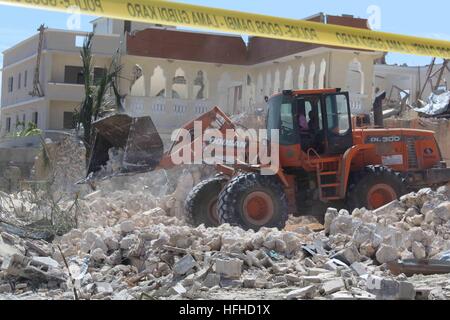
point(317, 119)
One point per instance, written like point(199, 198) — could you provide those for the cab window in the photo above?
point(280, 116)
point(338, 119)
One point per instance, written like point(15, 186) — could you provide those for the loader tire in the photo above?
point(201, 202)
point(253, 201)
point(375, 187)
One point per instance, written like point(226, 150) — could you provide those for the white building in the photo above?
point(184, 73)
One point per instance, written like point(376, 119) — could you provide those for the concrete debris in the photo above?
point(131, 242)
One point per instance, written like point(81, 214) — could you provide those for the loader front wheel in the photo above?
point(253, 201)
point(375, 187)
point(201, 202)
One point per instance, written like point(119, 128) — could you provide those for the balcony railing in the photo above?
point(167, 114)
point(359, 103)
point(65, 91)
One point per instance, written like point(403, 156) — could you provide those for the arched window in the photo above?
point(301, 77)
point(277, 82)
point(138, 84)
point(179, 85)
point(200, 86)
point(322, 72)
point(311, 76)
point(158, 83)
point(288, 79)
point(355, 77)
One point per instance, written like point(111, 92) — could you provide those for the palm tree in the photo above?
point(98, 98)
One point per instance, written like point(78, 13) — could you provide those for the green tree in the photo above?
point(101, 95)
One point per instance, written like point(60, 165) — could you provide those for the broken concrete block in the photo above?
point(231, 283)
point(359, 268)
point(230, 268)
point(293, 278)
point(127, 242)
point(342, 224)
point(367, 250)
point(330, 215)
point(417, 220)
point(349, 254)
point(47, 261)
point(304, 293)
point(333, 286)
point(418, 250)
point(104, 287)
point(390, 289)
point(178, 289)
point(98, 255)
point(386, 253)
point(7, 250)
point(249, 282)
point(342, 295)
point(309, 263)
point(5, 288)
point(211, 280)
point(334, 264)
point(393, 209)
point(184, 265)
point(359, 294)
point(127, 226)
point(443, 211)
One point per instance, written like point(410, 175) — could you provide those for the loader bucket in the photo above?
point(137, 137)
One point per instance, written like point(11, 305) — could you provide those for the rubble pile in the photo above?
point(131, 245)
point(62, 162)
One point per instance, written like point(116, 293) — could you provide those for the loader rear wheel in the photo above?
point(253, 201)
point(375, 187)
point(201, 203)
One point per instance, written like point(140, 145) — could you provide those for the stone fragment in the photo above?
point(418, 250)
point(178, 289)
point(333, 286)
point(386, 253)
point(304, 293)
point(330, 215)
point(212, 280)
point(184, 265)
point(230, 268)
point(359, 268)
point(127, 226)
point(390, 289)
point(104, 287)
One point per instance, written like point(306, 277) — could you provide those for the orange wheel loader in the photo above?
point(324, 161)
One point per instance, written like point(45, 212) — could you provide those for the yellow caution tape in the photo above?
point(184, 15)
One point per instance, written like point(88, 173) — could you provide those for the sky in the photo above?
point(398, 16)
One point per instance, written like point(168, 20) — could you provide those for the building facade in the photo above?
point(176, 75)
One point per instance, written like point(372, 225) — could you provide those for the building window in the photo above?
point(68, 120)
point(200, 86)
point(99, 73)
point(158, 83)
point(10, 84)
point(8, 124)
point(179, 85)
point(73, 74)
point(25, 78)
point(35, 118)
point(19, 81)
point(79, 41)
